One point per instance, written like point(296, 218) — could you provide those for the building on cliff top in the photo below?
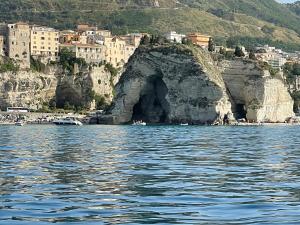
point(199, 39)
point(3, 39)
point(175, 37)
point(44, 43)
point(18, 39)
point(90, 53)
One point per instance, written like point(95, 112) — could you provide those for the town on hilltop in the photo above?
point(25, 44)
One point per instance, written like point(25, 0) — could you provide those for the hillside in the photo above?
point(295, 7)
point(252, 20)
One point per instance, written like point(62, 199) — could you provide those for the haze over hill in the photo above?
point(251, 20)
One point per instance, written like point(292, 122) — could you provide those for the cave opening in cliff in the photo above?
point(152, 106)
point(240, 112)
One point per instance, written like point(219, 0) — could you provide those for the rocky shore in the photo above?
point(36, 118)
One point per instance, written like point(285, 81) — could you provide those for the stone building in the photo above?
point(90, 53)
point(2, 45)
point(19, 43)
point(44, 43)
point(3, 41)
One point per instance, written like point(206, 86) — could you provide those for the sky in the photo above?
point(286, 1)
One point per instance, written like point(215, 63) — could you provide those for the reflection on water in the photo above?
point(149, 175)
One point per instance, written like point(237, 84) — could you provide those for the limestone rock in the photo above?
point(32, 89)
point(170, 84)
point(255, 94)
point(26, 89)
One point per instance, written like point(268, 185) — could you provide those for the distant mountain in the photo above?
point(250, 21)
point(295, 7)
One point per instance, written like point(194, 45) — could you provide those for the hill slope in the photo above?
point(295, 7)
point(265, 21)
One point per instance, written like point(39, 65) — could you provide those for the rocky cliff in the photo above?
point(170, 84)
point(255, 94)
point(33, 89)
point(26, 89)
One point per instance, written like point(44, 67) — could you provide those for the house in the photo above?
point(90, 53)
point(174, 37)
point(199, 39)
point(44, 43)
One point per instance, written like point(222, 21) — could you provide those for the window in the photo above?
point(42, 38)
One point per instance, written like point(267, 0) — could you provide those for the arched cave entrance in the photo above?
point(240, 112)
point(152, 106)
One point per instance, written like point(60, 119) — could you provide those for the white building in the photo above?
point(174, 37)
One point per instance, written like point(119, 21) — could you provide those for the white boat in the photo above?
point(139, 123)
point(67, 121)
point(184, 124)
point(19, 123)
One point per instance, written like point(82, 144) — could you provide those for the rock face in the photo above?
point(78, 89)
point(33, 89)
point(170, 84)
point(26, 89)
point(255, 94)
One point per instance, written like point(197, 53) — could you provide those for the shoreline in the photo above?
point(152, 125)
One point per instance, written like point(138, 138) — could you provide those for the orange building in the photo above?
point(199, 39)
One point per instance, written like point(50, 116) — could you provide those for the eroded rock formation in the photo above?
point(170, 84)
point(255, 94)
point(26, 89)
point(33, 89)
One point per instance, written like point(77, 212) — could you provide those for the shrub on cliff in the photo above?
point(36, 65)
point(67, 60)
point(8, 65)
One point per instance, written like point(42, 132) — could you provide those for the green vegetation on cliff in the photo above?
point(7, 65)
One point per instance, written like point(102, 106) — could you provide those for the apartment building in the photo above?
point(18, 38)
point(90, 53)
point(115, 52)
point(44, 43)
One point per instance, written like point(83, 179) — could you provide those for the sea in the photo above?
point(149, 175)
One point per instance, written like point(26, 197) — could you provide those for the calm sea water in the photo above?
point(149, 175)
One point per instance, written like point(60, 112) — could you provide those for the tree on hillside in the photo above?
point(222, 51)
point(252, 55)
point(239, 52)
point(211, 45)
point(145, 40)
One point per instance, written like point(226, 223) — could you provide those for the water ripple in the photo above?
point(149, 175)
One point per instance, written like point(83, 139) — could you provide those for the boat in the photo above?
point(184, 124)
point(19, 123)
point(139, 123)
point(67, 121)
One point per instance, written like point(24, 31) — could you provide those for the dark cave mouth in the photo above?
point(152, 106)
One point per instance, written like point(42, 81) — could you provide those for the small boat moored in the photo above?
point(19, 123)
point(184, 124)
point(139, 123)
point(67, 121)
